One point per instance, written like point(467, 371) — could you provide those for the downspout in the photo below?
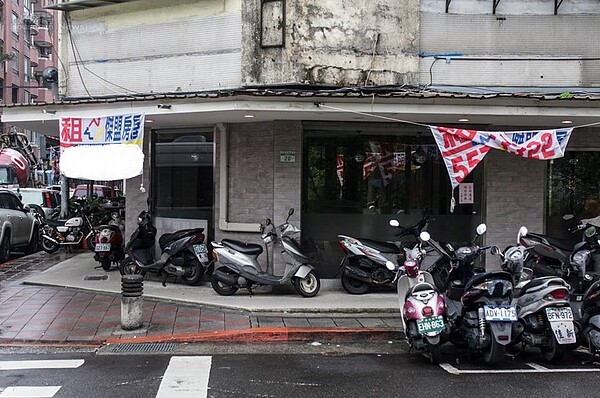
point(224, 224)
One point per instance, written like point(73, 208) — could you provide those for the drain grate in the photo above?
point(95, 278)
point(144, 347)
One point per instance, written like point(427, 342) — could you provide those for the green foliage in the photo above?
point(565, 95)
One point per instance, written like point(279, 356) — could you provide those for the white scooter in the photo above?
point(423, 307)
point(236, 263)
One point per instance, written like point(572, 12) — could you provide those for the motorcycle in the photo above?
point(183, 253)
point(478, 304)
point(422, 306)
point(108, 243)
point(68, 233)
point(590, 321)
point(236, 263)
point(368, 263)
point(544, 313)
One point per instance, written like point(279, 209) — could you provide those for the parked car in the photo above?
point(19, 229)
point(47, 199)
point(99, 191)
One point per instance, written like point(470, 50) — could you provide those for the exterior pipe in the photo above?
point(224, 224)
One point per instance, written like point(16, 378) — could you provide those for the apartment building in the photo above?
point(253, 107)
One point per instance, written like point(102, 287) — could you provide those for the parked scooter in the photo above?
point(590, 321)
point(67, 233)
point(368, 263)
point(183, 253)
point(545, 316)
point(108, 243)
point(422, 306)
point(479, 306)
point(236, 263)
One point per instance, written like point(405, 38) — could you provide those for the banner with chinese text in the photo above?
point(463, 149)
point(104, 148)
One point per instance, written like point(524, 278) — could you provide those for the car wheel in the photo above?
point(34, 244)
point(5, 248)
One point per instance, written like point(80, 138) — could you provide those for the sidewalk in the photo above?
point(63, 299)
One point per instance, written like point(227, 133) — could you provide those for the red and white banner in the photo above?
point(463, 149)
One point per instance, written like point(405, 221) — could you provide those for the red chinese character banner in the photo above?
point(463, 149)
point(103, 148)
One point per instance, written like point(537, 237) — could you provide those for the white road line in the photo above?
point(536, 369)
point(49, 364)
point(185, 377)
point(29, 392)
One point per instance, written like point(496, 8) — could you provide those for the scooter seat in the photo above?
point(246, 248)
point(481, 277)
point(419, 287)
point(111, 227)
point(564, 244)
point(165, 239)
point(384, 247)
point(540, 282)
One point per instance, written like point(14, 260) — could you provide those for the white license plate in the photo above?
point(432, 324)
point(102, 247)
point(557, 314)
point(500, 313)
point(201, 251)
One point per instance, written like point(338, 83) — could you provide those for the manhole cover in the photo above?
point(144, 347)
point(95, 278)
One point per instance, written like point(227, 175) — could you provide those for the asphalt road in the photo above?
point(287, 371)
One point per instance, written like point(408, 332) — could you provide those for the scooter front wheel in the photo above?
point(129, 267)
point(308, 286)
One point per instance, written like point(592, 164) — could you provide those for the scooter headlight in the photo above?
point(580, 258)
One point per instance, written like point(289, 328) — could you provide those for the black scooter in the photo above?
point(183, 253)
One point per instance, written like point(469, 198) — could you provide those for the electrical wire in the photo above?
point(75, 56)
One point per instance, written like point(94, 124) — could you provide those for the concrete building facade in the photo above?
point(282, 91)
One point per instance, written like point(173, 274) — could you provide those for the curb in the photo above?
point(265, 335)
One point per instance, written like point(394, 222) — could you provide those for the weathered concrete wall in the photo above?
point(330, 42)
point(155, 46)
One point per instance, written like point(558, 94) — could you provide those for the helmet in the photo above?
point(411, 267)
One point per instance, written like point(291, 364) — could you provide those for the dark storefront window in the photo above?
point(358, 178)
point(573, 187)
point(183, 178)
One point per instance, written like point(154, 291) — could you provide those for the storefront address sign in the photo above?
point(287, 156)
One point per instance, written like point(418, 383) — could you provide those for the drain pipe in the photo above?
point(224, 224)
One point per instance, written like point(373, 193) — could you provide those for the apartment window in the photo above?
point(1, 90)
point(45, 52)
point(15, 24)
point(15, 61)
point(27, 97)
point(15, 94)
point(26, 69)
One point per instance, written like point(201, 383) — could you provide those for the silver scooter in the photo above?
point(236, 263)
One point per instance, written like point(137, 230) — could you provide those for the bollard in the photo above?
point(132, 302)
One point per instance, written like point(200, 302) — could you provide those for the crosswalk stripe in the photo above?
point(185, 377)
point(29, 392)
point(49, 364)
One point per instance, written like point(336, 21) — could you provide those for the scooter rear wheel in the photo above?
point(106, 263)
point(308, 286)
point(553, 352)
point(48, 246)
point(129, 267)
point(222, 288)
point(435, 353)
point(354, 286)
point(194, 274)
point(494, 353)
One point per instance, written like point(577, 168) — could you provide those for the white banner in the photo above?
point(462, 150)
point(104, 148)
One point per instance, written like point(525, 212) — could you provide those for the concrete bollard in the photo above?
point(132, 302)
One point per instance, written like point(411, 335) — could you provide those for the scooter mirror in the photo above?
point(495, 250)
point(291, 212)
point(424, 236)
point(568, 217)
point(481, 228)
point(268, 221)
point(394, 223)
point(523, 231)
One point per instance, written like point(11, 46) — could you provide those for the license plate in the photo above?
point(500, 313)
point(102, 247)
point(201, 251)
point(559, 314)
point(432, 324)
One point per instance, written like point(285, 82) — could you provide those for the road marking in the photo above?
point(29, 392)
point(536, 369)
point(185, 377)
point(49, 364)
